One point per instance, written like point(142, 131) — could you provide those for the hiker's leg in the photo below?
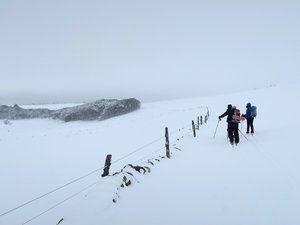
point(230, 133)
point(251, 125)
point(228, 130)
point(248, 124)
point(236, 133)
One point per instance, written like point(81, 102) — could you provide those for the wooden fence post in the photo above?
point(193, 126)
point(205, 119)
point(167, 143)
point(107, 166)
point(201, 120)
point(198, 122)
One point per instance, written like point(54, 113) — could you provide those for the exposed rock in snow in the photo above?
point(16, 112)
point(7, 122)
point(98, 110)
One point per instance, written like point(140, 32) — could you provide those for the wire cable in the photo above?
point(149, 155)
point(50, 192)
point(88, 174)
point(77, 179)
point(54, 206)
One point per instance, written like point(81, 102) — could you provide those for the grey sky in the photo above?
point(68, 50)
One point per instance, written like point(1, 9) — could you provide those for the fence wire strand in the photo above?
point(88, 174)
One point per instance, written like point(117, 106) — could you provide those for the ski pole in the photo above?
point(216, 128)
point(243, 135)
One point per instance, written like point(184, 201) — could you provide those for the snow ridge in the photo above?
point(98, 110)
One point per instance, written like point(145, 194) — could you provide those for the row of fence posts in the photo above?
point(200, 121)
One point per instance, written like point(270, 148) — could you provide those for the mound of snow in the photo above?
point(98, 110)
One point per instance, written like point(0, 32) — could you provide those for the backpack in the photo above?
point(253, 111)
point(236, 117)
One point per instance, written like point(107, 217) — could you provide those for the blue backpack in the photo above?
point(253, 111)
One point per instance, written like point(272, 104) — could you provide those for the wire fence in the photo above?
point(139, 149)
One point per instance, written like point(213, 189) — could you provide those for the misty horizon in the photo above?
point(57, 52)
point(75, 97)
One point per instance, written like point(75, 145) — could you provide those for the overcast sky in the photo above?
point(70, 50)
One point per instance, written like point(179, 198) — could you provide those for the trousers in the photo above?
point(250, 124)
point(233, 132)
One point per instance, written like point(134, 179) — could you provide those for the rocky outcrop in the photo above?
point(98, 110)
point(16, 112)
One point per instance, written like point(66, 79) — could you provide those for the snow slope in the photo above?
point(206, 181)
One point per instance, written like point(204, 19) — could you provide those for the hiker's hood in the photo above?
point(248, 105)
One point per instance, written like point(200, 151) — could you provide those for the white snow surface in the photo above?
point(208, 182)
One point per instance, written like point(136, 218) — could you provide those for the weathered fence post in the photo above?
point(205, 119)
point(201, 120)
point(193, 126)
point(107, 166)
point(198, 123)
point(167, 143)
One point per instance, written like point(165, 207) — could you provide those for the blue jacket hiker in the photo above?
point(249, 118)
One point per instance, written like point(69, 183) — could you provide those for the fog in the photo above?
point(75, 51)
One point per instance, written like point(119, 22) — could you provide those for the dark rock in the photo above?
point(16, 112)
point(98, 110)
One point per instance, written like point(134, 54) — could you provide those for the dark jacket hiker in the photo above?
point(228, 113)
point(233, 126)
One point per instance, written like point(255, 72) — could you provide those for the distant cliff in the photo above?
point(98, 110)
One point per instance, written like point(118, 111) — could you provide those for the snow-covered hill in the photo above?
point(206, 181)
point(97, 110)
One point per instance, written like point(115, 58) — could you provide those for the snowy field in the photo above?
point(206, 181)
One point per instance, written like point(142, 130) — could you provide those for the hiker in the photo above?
point(250, 118)
point(228, 114)
point(233, 123)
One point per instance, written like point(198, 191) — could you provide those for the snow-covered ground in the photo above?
point(206, 181)
point(50, 106)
